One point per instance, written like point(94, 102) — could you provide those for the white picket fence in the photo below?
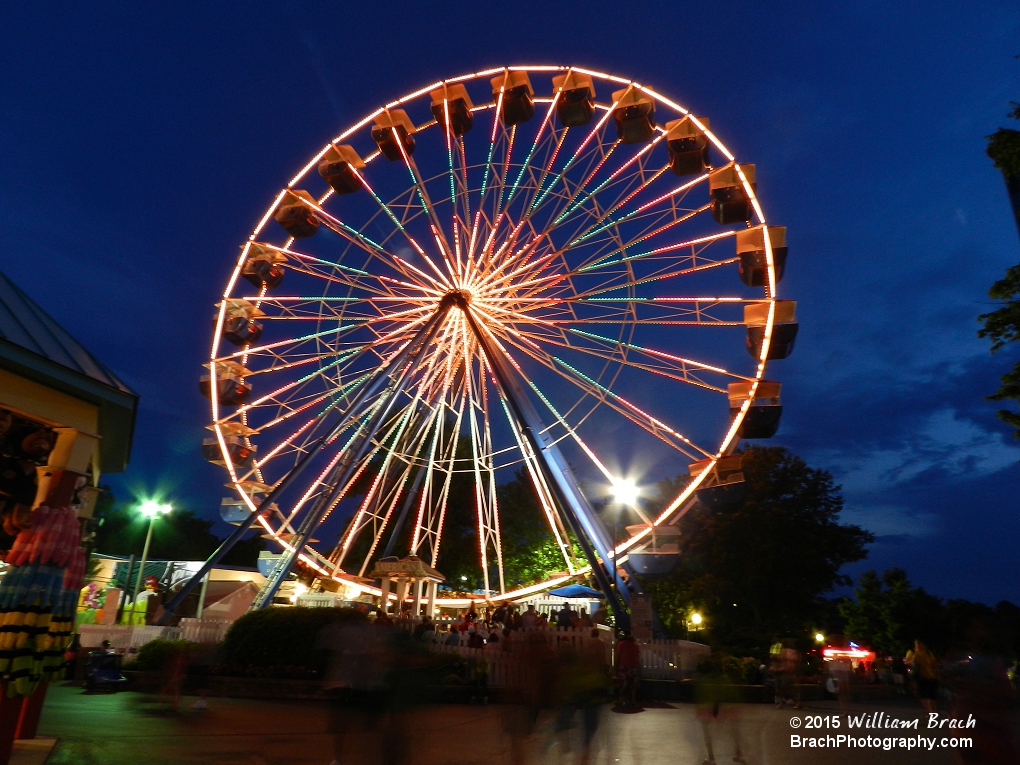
point(127, 638)
point(671, 659)
point(660, 659)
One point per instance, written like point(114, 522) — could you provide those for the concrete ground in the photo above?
point(132, 729)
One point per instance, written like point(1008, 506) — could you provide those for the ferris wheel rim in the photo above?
point(667, 514)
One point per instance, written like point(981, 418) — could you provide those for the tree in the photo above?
point(1004, 149)
point(529, 550)
point(1002, 326)
point(889, 614)
point(759, 569)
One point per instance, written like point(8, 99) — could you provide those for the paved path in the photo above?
point(132, 729)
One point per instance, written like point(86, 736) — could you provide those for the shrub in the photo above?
point(260, 643)
point(156, 654)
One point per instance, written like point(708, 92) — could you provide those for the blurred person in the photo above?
point(529, 619)
point(542, 622)
point(601, 615)
point(493, 642)
point(899, 673)
point(422, 626)
point(565, 617)
point(718, 711)
point(925, 671)
point(628, 668)
point(474, 639)
point(839, 681)
point(355, 681)
point(783, 666)
point(979, 688)
point(584, 621)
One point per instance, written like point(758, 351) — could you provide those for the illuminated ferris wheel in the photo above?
point(544, 269)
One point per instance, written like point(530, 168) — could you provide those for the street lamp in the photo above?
point(625, 492)
point(150, 509)
point(819, 637)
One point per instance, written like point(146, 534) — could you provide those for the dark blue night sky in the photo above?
point(139, 143)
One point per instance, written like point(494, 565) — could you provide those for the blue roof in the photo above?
point(25, 324)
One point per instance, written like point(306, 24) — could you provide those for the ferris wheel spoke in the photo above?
point(428, 532)
point(604, 395)
point(349, 276)
point(377, 251)
point(537, 284)
point(428, 208)
point(682, 374)
point(600, 225)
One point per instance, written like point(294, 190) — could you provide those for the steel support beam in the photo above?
point(572, 503)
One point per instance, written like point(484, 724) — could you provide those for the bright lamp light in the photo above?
point(625, 492)
point(150, 508)
point(819, 637)
point(696, 618)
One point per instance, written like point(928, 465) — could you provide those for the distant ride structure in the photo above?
point(537, 268)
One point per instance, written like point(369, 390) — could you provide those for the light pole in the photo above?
point(151, 509)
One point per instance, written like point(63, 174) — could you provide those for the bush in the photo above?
point(279, 641)
point(731, 668)
point(156, 654)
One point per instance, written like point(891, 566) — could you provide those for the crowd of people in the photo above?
point(564, 683)
point(493, 628)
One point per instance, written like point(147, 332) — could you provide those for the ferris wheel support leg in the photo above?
point(356, 450)
point(425, 334)
point(404, 509)
point(579, 514)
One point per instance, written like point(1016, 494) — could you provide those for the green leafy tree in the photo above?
point(529, 550)
point(759, 569)
point(889, 614)
point(1002, 326)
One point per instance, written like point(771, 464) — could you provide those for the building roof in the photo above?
point(36, 347)
point(25, 324)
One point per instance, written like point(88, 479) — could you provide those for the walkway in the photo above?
point(128, 729)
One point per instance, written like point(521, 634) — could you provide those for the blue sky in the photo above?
point(139, 143)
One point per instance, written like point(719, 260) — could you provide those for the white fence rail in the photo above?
point(129, 638)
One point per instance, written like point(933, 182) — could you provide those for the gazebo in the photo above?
point(410, 572)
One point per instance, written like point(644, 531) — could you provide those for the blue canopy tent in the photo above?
point(577, 591)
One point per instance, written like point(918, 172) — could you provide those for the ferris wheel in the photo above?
point(540, 269)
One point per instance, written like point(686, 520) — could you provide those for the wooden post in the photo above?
point(31, 711)
point(10, 715)
point(384, 599)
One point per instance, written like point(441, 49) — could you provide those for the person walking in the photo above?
point(925, 671)
point(628, 666)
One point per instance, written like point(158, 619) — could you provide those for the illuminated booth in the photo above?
point(64, 419)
